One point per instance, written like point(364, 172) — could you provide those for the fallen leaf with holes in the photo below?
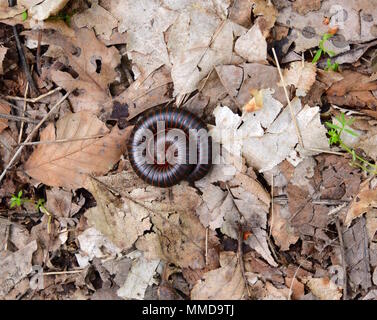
point(94, 63)
point(120, 219)
point(96, 17)
point(5, 109)
point(225, 283)
point(139, 277)
point(69, 164)
point(364, 202)
point(302, 75)
point(324, 288)
point(252, 45)
point(47, 8)
point(15, 267)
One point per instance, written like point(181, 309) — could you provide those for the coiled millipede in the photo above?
point(175, 142)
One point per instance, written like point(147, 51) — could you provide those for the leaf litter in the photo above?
point(290, 217)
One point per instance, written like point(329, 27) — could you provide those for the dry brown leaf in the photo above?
point(3, 52)
point(364, 202)
point(47, 8)
point(304, 6)
point(146, 92)
point(281, 229)
point(98, 18)
point(4, 108)
point(301, 75)
point(69, 164)
point(9, 12)
point(252, 45)
point(324, 288)
point(298, 289)
point(266, 13)
point(15, 267)
point(121, 220)
point(94, 63)
point(59, 202)
point(225, 283)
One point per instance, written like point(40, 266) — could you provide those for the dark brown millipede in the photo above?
point(167, 174)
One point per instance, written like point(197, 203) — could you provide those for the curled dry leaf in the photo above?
point(47, 8)
point(225, 283)
point(68, 164)
point(302, 75)
point(364, 201)
point(324, 288)
point(4, 108)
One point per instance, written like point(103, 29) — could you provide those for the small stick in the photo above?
point(344, 263)
point(60, 140)
point(23, 114)
point(62, 272)
point(272, 204)
point(206, 254)
point(14, 107)
point(17, 118)
point(24, 63)
point(38, 58)
point(240, 260)
point(298, 132)
point(33, 100)
point(31, 134)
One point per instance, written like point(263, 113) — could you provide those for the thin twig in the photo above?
point(31, 135)
point(298, 132)
point(62, 272)
point(33, 100)
point(23, 114)
point(38, 58)
point(17, 118)
point(60, 140)
point(14, 107)
point(24, 63)
point(272, 204)
point(240, 259)
point(342, 252)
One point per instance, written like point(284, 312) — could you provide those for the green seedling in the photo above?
point(335, 131)
point(18, 201)
point(323, 50)
point(62, 16)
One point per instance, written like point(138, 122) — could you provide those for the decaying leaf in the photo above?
point(225, 283)
point(302, 75)
point(69, 164)
point(324, 289)
point(121, 220)
point(16, 267)
point(94, 63)
point(357, 257)
point(4, 108)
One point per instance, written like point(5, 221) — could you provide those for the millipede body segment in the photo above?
point(168, 145)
